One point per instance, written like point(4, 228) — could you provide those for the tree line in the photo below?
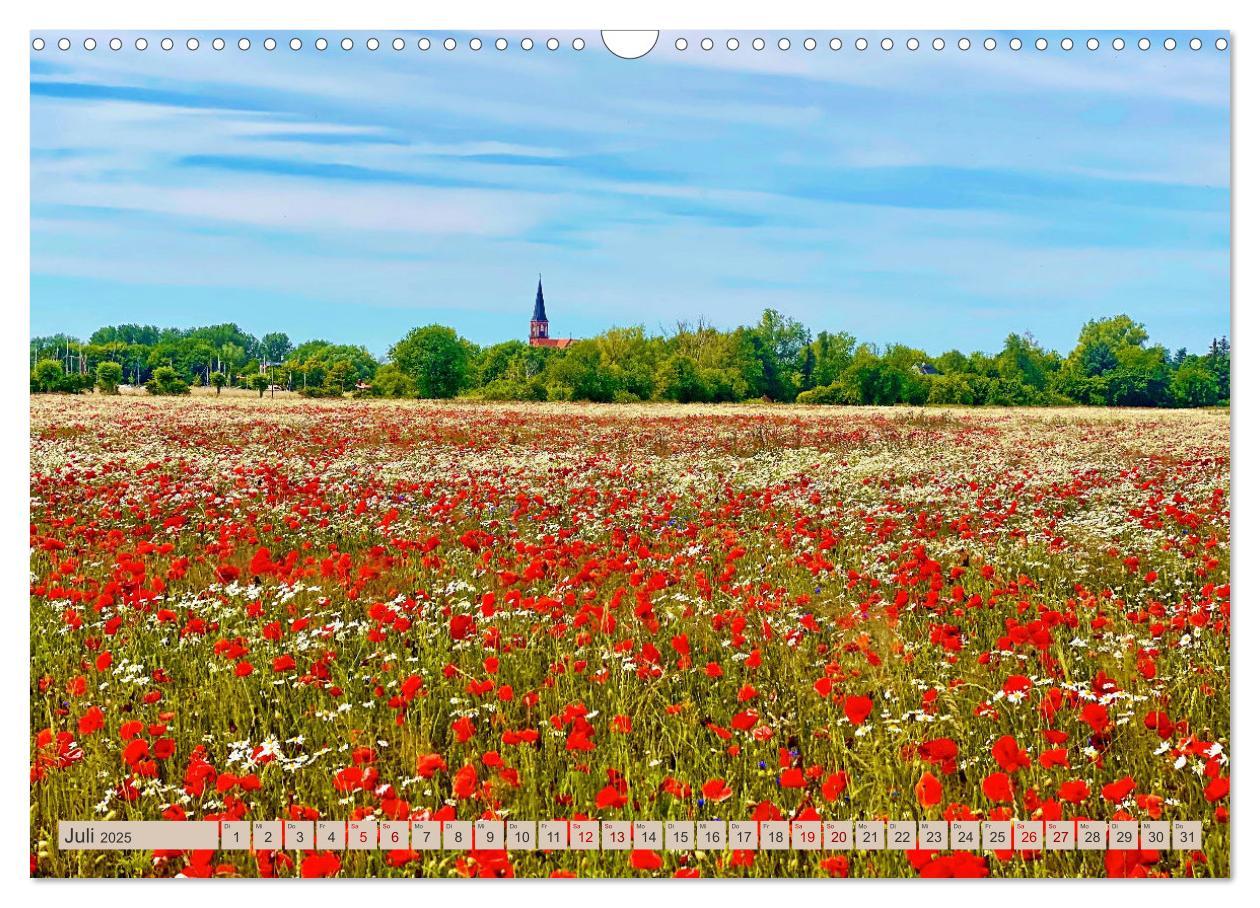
point(778, 359)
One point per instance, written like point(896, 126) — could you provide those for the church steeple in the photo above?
point(538, 324)
point(540, 311)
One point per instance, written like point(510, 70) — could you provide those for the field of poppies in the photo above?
point(260, 609)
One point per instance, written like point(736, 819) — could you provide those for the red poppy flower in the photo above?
point(92, 720)
point(834, 785)
point(856, 709)
point(1217, 789)
point(645, 860)
point(1009, 755)
point(1055, 757)
point(715, 790)
point(464, 781)
point(997, 788)
point(792, 778)
point(429, 764)
point(1118, 790)
point(960, 864)
point(320, 864)
point(1074, 792)
point(609, 796)
point(928, 790)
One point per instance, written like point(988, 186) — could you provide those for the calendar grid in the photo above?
point(634, 835)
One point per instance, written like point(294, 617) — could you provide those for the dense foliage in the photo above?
point(778, 359)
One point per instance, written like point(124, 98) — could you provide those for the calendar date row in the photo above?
point(634, 835)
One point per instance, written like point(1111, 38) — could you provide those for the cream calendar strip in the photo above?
point(626, 835)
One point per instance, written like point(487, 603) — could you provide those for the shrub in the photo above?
point(108, 377)
point(955, 388)
point(509, 389)
point(48, 376)
point(166, 382)
point(390, 381)
point(1194, 385)
point(835, 393)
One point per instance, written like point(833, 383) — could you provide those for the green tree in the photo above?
point(230, 358)
point(109, 376)
point(1008, 392)
point(341, 377)
point(679, 379)
point(1218, 361)
point(1112, 365)
point(580, 374)
point(782, 344)
point(492, 363)
point(951, 362)
point(218, 380)
point(832, 354)
point(1022, 361)
point(1140, 378)
point(1116, 333)
point(1194, 384)
point(630, 358)
point(869, 380)
point(141, 335)
point(275, 347)
point(1098, 359)
point(835, 393)
point(166, 382)
point(319, 368)
point(809, 364)
point(904, 366)
point(48, 376)
point(730, 366)
point(436, 360)
point(957, 388)
point(260, 382)
point(390, 381)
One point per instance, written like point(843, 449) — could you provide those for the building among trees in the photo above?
point(538, 332)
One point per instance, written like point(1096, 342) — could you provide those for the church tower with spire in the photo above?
point(538, 331)
point(538, 324)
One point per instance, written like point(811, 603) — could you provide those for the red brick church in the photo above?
point(538, 336)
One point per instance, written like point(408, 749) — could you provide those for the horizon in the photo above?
point(846, 190)
point(660, 331)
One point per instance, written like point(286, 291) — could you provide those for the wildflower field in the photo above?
point(261, 609)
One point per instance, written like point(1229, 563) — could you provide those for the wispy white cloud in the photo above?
point(873, 191)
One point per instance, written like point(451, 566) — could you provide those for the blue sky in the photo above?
point(942, 199)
